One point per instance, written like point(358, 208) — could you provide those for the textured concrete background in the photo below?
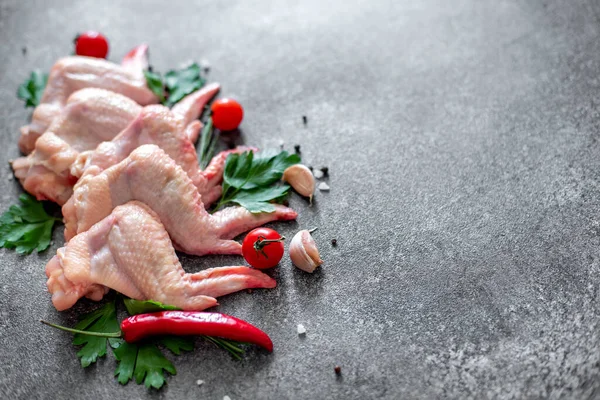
point(461, 137)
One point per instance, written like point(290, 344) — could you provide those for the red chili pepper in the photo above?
point(182, 323)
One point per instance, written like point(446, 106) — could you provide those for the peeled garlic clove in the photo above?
point(301, 179)
point(304, 252)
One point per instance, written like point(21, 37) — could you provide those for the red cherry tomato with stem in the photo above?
point(227, 114)
point(91, 44)
point(263, 248)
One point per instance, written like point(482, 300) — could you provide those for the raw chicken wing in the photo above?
point(91, 116)
point(172, 131)
point(70, 74)
point(152, 177)
point(130, 251)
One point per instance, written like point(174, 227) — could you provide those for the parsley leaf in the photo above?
point(144, 361)
point(249, 179)
point(155, 84)
point(177, 343)
point(249, 171)
point(145, 306)
point(258, 200)
point(177, 83)
point(102, 320)
point(26, 227)
point(149, 366)
point(32, 89)
point(183, 82)
point(126, 354)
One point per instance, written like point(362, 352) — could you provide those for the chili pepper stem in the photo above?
point(99, 334)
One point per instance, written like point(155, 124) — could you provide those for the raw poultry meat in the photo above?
point(113, 254)
point(174, 131)
point(91, 116)
point(70, 74)
point(152, 177)
point(171, 130)
point(94, 116)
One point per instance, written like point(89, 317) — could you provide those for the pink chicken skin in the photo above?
point(150, 176)
point(130, 251)
point(171, 130)
point(90, 117)
point(71, 74)
point(77, 141)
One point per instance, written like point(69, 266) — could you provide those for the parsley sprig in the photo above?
point(32, 89)
point(176, 84)
point(250, 179)
point(144, 361)
point(103, 320)
point(26, 227)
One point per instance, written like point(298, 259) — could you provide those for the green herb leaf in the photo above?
point(150, 365)
point(26, 227)
point(155, 84)
point(259, 200)
point(32, 89)
point(126, 354)
point(182, 82)
point(232, 347)
point(237, 169)
point(208, 142)
point(249, 171)
point(144, 361)
point(102, 320)
point(146, 306)
point(177, 343)
point(249, 179)
point(176, 83)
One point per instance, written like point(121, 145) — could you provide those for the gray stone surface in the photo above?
point(462, 140)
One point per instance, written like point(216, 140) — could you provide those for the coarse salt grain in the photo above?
point(204, 63)
point(301, 329)
point(199, 382)
point(226, 398)
point(318, 173)
point(323, 187)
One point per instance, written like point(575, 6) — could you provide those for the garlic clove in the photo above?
point(303, 252)
point(301, 179)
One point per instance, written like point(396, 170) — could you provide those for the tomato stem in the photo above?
point(261, 242)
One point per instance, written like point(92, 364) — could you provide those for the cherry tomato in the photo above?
point(263, 248)
point(227, 114)
point(91, 44)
